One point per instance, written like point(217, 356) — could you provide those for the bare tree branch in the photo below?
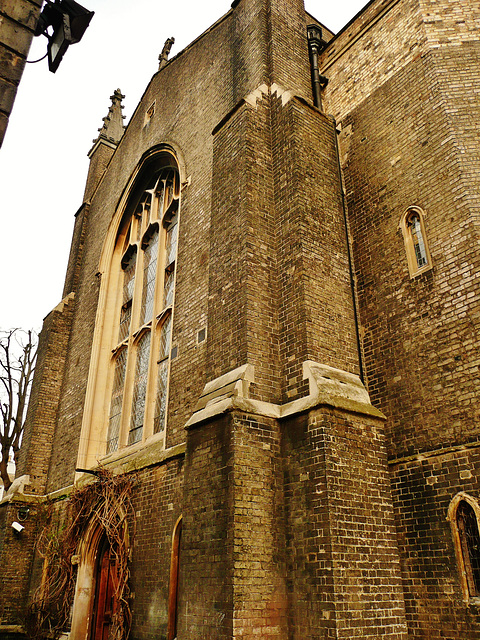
point(18, 353)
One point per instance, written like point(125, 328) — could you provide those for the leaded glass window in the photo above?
point(162, 383)
point(141, 354)
point(128, 264)
point(116, 401)
point(418, 242)
point(149, 275)
point(139, 390)
point(414, 235)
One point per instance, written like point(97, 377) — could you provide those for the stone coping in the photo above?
point(328, 387)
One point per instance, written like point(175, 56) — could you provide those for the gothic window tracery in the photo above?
point(141, 353)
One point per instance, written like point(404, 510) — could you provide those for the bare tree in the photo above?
point(18, 353)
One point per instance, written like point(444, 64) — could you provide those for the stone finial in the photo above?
point(163, 57)
point(112, 129)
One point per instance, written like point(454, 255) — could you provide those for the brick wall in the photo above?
point(402, 89)
point(344, 570)
point(16, 554)
point(420, 343)
point(423, 488)
point(316, 306)
point(233, 564)
point(206, 604)
point(243, 303)
point(42, 414)
point(157, 503)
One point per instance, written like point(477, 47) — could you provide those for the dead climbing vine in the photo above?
point(105, 503)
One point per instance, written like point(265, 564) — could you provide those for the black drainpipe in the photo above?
point(350, 261)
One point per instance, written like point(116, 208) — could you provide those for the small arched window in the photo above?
point(463, 516)
point(414, 236)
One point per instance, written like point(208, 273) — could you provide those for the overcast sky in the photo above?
point(43, 160)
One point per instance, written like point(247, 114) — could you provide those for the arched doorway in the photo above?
point(104, 603)
point(101, 588)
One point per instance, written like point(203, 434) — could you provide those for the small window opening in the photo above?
point(201, 335)
point(412, 225)
point(418, 241)
point(149, 113)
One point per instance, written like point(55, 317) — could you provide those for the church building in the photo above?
point(255, 410)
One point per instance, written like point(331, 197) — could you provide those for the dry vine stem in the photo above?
point(105, 503)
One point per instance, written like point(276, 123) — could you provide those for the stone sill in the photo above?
point(145, 454)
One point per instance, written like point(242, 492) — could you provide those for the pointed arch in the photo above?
point(173, 594)
point(127, 388)
point(414, 233)
point(99, 579)
point(88, 556)
point(464, 518)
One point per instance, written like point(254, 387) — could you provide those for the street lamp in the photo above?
point(316, 44)
point(69, 21)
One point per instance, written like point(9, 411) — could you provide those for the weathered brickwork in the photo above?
point(341, 533)
point(207, 605)
point(423, 488)
point(316, 320)
point(157, 503)
point(420, 347)
point(420, 344)
point(387, 36)
point(75, 258)
point(233, 553)
point(36, 451)
point(310, 509)
point(243, 307)
point(16, 555)
point(408, 138)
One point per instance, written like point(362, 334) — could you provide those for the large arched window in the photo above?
point(128, 383)
point(463, 516)
point(140, 357)
point(415, 238)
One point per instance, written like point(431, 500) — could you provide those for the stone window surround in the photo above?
point(452, 518)
point(413, 267)
point(97, 403)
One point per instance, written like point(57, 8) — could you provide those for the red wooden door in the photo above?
point(104, 603)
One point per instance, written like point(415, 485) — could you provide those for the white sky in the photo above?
point(43, 160)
